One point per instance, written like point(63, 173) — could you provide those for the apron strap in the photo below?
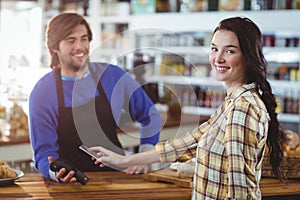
point(98, 83)
point(59, 90)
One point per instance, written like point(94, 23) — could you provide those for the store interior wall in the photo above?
point(20, 39)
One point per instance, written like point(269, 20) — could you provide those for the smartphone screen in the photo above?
point(85, 149)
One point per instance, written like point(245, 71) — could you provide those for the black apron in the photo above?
point(68, 128)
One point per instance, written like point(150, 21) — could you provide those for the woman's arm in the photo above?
point(109, 158)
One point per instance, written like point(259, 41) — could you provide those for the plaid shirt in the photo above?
point(230, 148)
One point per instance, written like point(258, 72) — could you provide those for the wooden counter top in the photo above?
point(118, 185)
point(102, 185)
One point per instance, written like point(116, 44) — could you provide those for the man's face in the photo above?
point(73, 51)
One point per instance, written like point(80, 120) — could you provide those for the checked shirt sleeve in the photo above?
point(184, 148)
point(181, 149)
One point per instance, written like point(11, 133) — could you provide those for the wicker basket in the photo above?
point(290, 167)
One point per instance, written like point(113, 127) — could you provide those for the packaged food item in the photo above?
point(6, 171)
point(184, 169)
point(18, 121)
point(231, 5)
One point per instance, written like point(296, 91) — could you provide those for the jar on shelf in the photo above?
point(18, 121)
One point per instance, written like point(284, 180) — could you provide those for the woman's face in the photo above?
point(227, 60)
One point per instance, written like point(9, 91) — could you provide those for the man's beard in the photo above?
point(77, 68)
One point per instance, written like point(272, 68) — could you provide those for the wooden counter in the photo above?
point(102, 185)
point(118, 185)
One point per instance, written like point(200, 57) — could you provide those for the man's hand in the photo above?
point(60, 175)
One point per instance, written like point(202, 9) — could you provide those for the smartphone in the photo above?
point(85, 149)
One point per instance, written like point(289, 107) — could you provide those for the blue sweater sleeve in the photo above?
point(43, 122)
point(125, 93)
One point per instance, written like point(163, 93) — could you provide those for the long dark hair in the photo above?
point(59, 28)
point(250, 40)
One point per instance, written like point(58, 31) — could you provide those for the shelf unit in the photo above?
point(205, 22)
point(269, 21)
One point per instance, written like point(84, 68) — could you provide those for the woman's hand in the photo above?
point(134, 164)
point(137, 169)
point(109, 158)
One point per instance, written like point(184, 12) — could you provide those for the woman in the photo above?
point(231, 144)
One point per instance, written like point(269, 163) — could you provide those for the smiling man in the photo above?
point(81, 99)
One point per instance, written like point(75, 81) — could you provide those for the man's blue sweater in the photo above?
point(120, 89)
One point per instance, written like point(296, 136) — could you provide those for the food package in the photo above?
point(6, 171)
point(18, 121)
point(184, 169)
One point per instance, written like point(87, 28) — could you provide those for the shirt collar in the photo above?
point(240, 90)
point(65, 78)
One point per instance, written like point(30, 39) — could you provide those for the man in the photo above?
point(81, 102)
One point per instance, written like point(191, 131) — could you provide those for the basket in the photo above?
point(290, 167)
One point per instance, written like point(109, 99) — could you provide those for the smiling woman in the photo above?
point(226, 59)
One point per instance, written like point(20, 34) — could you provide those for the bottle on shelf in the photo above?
point(207, 99)
point(296, 103)
point(294, 74)
point(279, 107)
point(296, 4)
point(261, 4)
point(109, 7)
point(214, 98)
point(290, 103)
point(201, 97)
point(213, 5)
